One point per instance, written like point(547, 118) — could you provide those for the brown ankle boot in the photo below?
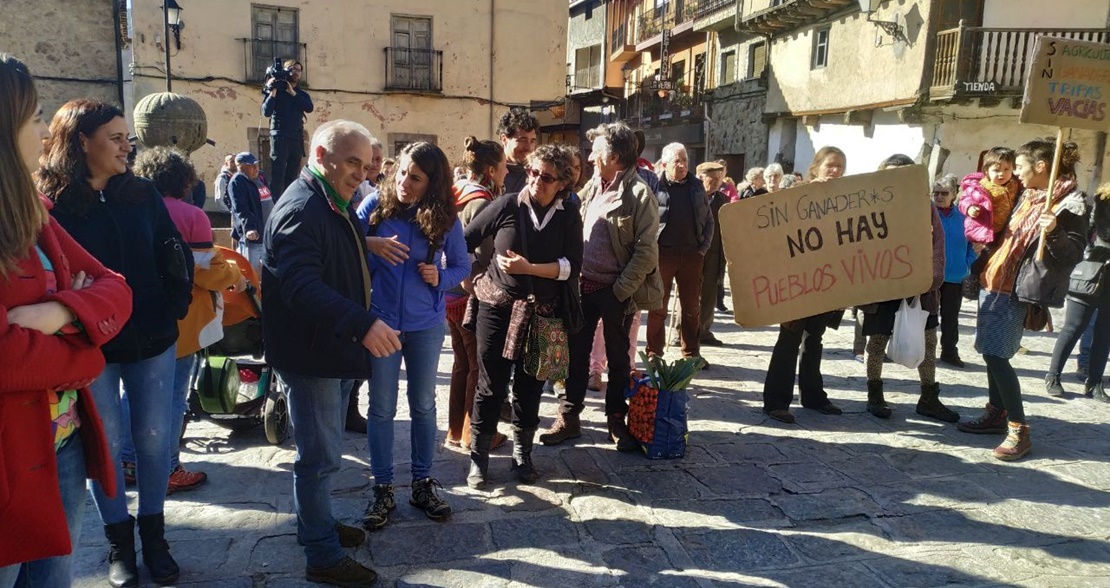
point(565, 427)
point(992, 421)
point(1016, 445)
point(619, 434)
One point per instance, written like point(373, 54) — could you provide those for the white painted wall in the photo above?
point(1032, 13)
point(865, 148)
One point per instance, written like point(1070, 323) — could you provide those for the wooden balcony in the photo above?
point(623, 49)
point(981, 62)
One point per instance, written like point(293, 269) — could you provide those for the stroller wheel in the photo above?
point(275, 417)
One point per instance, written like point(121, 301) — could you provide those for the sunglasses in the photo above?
point(545, 178)
point(941, 193)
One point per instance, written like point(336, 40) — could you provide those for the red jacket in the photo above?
point(31, 363)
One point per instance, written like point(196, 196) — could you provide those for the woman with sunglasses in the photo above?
point(959, 254)
point(123, 222)
point(537, 239)
point(58, 305)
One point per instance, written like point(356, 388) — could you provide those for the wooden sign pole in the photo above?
point(1051, 186)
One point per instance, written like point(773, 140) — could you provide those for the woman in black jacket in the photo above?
point(537, 238)
point(122, 221)
point(1090, 292)
point(1014, 282)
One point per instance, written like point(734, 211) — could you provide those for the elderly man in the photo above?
point(712, 176)
point(685, 234)
point(517, 130)
point(619, 258)
point(316, 288)
point(251, 203)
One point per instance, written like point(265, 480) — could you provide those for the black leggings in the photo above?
point(1076, 318)
point(1004, 388)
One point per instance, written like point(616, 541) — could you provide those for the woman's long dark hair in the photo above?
point(22, 213)
point(435, 213)
point(64, 174)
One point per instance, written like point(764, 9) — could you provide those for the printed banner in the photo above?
point(829, 245)
point(1068, 84)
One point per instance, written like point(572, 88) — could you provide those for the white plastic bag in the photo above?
point(907, 342)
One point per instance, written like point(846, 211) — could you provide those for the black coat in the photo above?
point(315, 286)
point(1046, 282)
point(246, 205)
point(129, 230)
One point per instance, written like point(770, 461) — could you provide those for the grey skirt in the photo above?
point(1000, 324)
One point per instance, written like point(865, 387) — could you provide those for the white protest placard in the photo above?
point(1068, 84)
point(829, 245)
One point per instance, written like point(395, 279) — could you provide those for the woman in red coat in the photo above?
point(57, 306)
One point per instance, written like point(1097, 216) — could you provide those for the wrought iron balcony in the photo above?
point(976, 61)
point(413, 70)
point(708, 7)
point(666, 15)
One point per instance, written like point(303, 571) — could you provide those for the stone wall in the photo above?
point(738, 127)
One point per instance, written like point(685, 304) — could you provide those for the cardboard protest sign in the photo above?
point(1068, 84)
point(829, 245)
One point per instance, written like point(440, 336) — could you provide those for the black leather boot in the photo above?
point(479, 461)
point(876, 403)
point(156, 552)
point(356, 422)
point(123, 571)
point(522, 455)
point(929, 405)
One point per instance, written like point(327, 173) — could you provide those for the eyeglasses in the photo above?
point(941, 192)
point(545, 178)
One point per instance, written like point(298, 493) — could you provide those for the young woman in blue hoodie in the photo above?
point(418, 254)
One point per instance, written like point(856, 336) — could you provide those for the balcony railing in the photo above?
point(413, 70)
point(707, 7)
point(976, 61)
point(259, 54)
point(667, 15)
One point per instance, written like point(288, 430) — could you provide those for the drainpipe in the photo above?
point(706, 77)
point(117, 19)
point(492, 54)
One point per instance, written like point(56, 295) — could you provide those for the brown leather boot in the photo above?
point(1016, 445)
point(565, 427)
point(992, 421)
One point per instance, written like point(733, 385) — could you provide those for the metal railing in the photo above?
point(619, 37)
point(707, 7)
point(413, 70)
point(667, 15)
point(992, 60)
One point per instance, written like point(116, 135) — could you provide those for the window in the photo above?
point(678, 73)
point(953, 11)
point(275, 35)
point(820, 48)
point(757, 60)
point(587, 68)
point(411, 64)
point(775, 3)
point(728, 68)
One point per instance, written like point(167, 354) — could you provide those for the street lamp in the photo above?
point(171, 20)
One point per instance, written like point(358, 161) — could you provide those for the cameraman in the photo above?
point(286, 105)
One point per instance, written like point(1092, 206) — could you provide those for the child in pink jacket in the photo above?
point(988, 199)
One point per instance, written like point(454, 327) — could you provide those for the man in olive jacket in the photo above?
point(619, 278)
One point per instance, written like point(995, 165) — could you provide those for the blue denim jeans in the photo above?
point(57, 571)
point(252, 250)
point(420, 350)
point(182, 375)
point(318, 412)
point(150, 401)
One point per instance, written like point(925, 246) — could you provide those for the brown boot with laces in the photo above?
point(1016, 445)
point(566, 427)
point(992, 421)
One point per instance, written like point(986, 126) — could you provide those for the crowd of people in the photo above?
point(109, 287)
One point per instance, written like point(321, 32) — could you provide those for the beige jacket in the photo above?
point(633, 227)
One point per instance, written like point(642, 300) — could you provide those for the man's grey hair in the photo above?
point(671, 151)
point(773, 169)
point(618, 140)
point(331, 133)
point(376, 143)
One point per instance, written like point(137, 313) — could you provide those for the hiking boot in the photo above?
point(156, 551)
point(128, 472)
point(1016, 444)
point(876, 403)
point(952, 358)
point(566, 427)
point(929, 405)
point(1097, 392)
point(992, 421)
point(479, 461)
point(594, 382)
point(522, 455)
point(377, 512)
point(123, 570)
point(781, 415)
point(348, 573)
point(618, 432)
point(1052, 386)
point(425, 498)
point(182, 479)
point(348, 536)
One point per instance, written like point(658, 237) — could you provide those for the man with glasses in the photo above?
point(286, 105)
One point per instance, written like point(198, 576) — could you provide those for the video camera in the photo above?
point(279, 76)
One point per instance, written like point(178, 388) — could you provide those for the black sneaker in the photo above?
point(425, 498)
point(348, 573)
point(377, 512)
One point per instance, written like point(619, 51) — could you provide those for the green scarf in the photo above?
point(340, 203)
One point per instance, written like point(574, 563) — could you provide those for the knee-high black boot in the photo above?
point(479, 461)
point(156, 551)
point(522, 455)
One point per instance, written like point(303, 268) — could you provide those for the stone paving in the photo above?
point(830, 501)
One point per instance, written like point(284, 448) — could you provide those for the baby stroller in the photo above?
point(234, 387)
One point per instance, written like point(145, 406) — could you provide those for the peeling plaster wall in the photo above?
point(345, 66)
point(63, 39)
